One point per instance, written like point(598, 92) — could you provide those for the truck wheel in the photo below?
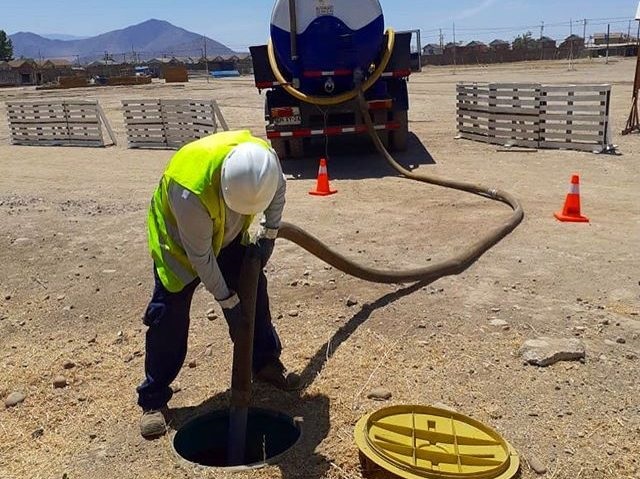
point(380, 118)
point(296, 148)
point(280, 147)
point(400, 137)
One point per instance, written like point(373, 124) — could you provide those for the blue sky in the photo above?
point(242, 23)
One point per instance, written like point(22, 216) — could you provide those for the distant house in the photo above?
point(25, 71)
point(50, 71)
point(620, 44)
point(499, 45)
point(109, 68)
point(186, 60)
point(573, 39)
point(58, 63)
point(573, 42)
point(451, 47)
point(432, 49)
point(546, 43)
point(476, 47)
point(245, 63)
point(157, 65)
point(102, 63)
point(7, 76)
point(224, 63)
point(241, 62)
point(190, 62)
point(614, 38)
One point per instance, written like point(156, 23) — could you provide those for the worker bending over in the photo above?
point(198, 220)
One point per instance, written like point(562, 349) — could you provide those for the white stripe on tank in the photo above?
point(356, 14)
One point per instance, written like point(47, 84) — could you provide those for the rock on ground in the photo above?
point(14, 399)
point(547, 351)
point(498, 322)
point(379, 394)
point(537, 465)
point(59, 382)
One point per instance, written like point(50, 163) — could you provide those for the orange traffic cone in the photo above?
point(571, 211)
point(322, 187)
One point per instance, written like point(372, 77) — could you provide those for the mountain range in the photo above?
point(153, 38)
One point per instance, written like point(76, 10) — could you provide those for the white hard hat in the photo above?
point(250, 177)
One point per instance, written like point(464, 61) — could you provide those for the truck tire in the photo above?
point(296, 148)
point(278, 144)
point(400, 137)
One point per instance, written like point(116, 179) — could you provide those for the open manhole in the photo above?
point(204, 440)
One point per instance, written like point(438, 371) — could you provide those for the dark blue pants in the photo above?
point(167, 317)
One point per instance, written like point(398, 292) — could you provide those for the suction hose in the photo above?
point(455, 265)
point(243, 357)
point(452, 266)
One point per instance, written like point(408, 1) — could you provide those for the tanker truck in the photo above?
point(321, 54)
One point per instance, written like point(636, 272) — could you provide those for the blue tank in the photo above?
point(335, 40)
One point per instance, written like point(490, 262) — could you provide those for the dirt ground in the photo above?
point(76, 277)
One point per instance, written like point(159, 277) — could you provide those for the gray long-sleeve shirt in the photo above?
point(196, 232)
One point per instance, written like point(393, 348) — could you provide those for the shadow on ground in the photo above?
point(303, 462)
point(357, 159)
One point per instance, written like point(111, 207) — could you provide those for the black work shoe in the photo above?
point(276, 374)
point(153, 424)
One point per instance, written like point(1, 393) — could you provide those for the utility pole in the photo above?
point(584, 30)
point(571, 45)
point(39, 69)
point(633, 123)
point(206, 60)
point(455, 49)
point(629, 31)
point(540, 41)
point(608, 41)
point(441, 40)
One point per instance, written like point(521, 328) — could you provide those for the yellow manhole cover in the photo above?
point(416, 442)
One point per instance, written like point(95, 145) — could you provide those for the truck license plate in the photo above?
point(322, 10)
point(288, 120)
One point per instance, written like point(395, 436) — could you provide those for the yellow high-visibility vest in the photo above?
point(196, 167)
